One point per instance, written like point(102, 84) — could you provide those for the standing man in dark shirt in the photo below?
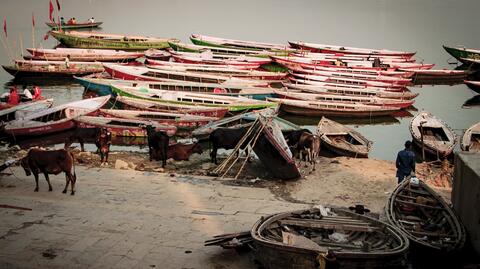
point(405, 162)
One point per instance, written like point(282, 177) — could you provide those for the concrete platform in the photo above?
point(127, 219)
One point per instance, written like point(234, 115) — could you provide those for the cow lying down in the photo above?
point(50, 162)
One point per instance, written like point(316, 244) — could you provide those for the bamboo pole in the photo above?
point(21, 44)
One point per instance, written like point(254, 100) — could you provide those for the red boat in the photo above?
point(54, 119)
point(348, 50)
point(151, 74)
point(177, 64)
point(306, 63)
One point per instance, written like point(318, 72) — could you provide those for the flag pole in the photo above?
point(33, 31)
point(21, 44)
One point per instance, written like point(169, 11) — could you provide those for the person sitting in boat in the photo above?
point(74, 21)
point(62, 21)
point(37, 93)
point(339, 62)
point(70, 21)
point(27, 94)
point(92, 20)
point(67, 61)
point(376, 62)
point(13, 97)
point(405, 162)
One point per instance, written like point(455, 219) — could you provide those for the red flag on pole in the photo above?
point(45, 37)
point(5, 26)
point(58, 5)
point(33, 20)
point(50, 15)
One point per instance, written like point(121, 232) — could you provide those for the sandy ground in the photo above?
point(340, 181)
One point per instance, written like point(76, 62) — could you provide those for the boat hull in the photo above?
point(22, 73)
point(56, 26)
point(91, 43)
point(42, 130)
point(302, 111)
point(461, 53)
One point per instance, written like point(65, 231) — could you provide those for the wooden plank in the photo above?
point(329, 225)
point(421, 205)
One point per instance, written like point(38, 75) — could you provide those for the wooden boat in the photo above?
point(102, 86)
point(28, 68)
point(179, 120)
point(145, 105)
point(348, 50)
point(343, 140)
point(92, 40)
point(374, 101)
point(82, 55)
point(291, 62)
point(273, 151)
point(351, 57)
point(229, 72)
point(351, 75)
point(410, 66)
point(243, 119)
point(471, 139)
point(438, 138)
point(424, 217)
point(17, 112)
point(150, 74)
point(302, 239)
point(80, 25)
point(336, 109)
point(55, 119)
point(192, 99)
point(121, 126)
point(188, 65)
point(182, 47)
point(156, 54)
point(208, 57)
point(350, 81)
point(422, 74)
point(324, 88)
point(396, 73)
point(460, 52)
point(471, 62)
point(299, 80)
point(211, 41)
point(473, 85)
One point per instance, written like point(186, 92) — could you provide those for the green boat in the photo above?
point(91, 40)
point(178, 46)
point(233, 104)
point(462, 52)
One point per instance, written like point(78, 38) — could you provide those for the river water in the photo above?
point(413, 25)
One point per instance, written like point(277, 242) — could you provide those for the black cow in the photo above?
point(157, 144)
point(292, 137)
point(103, 142)
point(81, 135)
point(50, 162)
point(227, 138)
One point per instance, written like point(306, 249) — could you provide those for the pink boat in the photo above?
point(178, 64)
point(55, 119)
point(348, 50)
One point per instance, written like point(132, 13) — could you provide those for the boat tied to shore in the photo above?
point(94, 40)
point(436, 137)
point(471, 139)
point(424, 217)
point(343, 140)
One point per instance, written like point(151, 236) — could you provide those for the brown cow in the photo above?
point(182, 152)
point(50, 162)
point(309, 144)
point(103, 142)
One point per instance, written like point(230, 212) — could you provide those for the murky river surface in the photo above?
point(422, 26)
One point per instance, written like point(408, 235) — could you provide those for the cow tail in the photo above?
point(73, 164)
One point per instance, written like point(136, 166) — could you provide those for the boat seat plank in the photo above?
point(417, 204)
point(331, 225)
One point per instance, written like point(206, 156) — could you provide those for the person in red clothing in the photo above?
point(13, 98)
point(37, 93)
